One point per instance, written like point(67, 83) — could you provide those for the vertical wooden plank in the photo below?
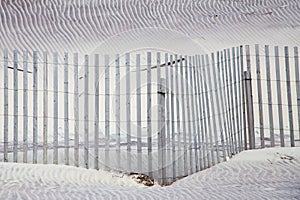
point(188, 87)
point(173, 120)
point(250, 109)
point(45, 109)
point(192, 119)
point(179, 149)
point(107, 116)
point(207, 100)
point(289, 95)
point(260, 103)
point(55, 108)
point(35, 106)
point(249, 100)
point(224, 105)
point(161, 126)
point(231, 103)
point(269, 91)
point(76, 111)
point(279, 96)
point(219, 97)
point(118, 157)
point(212, 101)
point(160, 94)
point(236, 112)
point(128, 112)
point(5, 106)
point(25, 105)
point(86, 111)
point(203, 155)
point(296, 60)
point(15, 147)
point(239, 101)
point(66, 108)
point(149, 125)
point(138, 110)
point(167, 110)
point(96, 125)
point(243, 99)
point(183, 108)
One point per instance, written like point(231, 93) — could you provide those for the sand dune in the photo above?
point(85, 26)
point(268, 173)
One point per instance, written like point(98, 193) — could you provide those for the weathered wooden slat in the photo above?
point(279, 100)
point(86, 111)
point(194, 120)
point(25, 106)
point(35, 106)
point(149, 114)
point(183, 108)
point(15, 147)
point(269, 91)
point(239, 102)
point(173, 121)
point(208, 117)
point(200, 120)
point(96, 134)
point(128, 112)
point(260, 103)
point(289, 96)
point(244, 127)
point(212, 103)
point(76, 111)
point(55, 108)
point(107, 114)
point(219, 98)
point(66, 108)
point(296, 60)
point(45, 108)
point(117, 101)
point(5, 106)
point(139, 115)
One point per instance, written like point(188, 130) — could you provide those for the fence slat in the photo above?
point(260, 103)
point(86, 111)
point(218, 98)
point(239, 102)
point(224, 105)
point(296, 59)
point(45, 109)
point(243, 98)
point(149, 125)
point(193, 119)
point(185, 169)
point(289, 96)
point(236, 106)
point(55, 108)
point(212, 101)
point(35, 106)
point(138, 110)
point(76, 111)
point(204, 158)
point(107, 125)
point(15, 148)
point(269, 91)
point(96, 134)
point(173, 120)
point(208, 117)
point(128, 112)
point(66, 108)
point(188, 108)
point(278, 80)
point(118, 157)
point(5, 106)
point(25, 106)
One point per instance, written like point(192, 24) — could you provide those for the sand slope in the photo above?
point(269, 173)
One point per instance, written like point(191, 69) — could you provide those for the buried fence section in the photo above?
point(207, 108)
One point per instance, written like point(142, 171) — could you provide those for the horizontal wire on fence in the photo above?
point(276, 129)
point(276, 104)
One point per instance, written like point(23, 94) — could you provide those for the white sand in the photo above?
point(269, 173)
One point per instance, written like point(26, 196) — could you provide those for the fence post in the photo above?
point(249, 105)
point(161, 133)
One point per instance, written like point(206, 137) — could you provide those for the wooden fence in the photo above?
point(163, 115)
